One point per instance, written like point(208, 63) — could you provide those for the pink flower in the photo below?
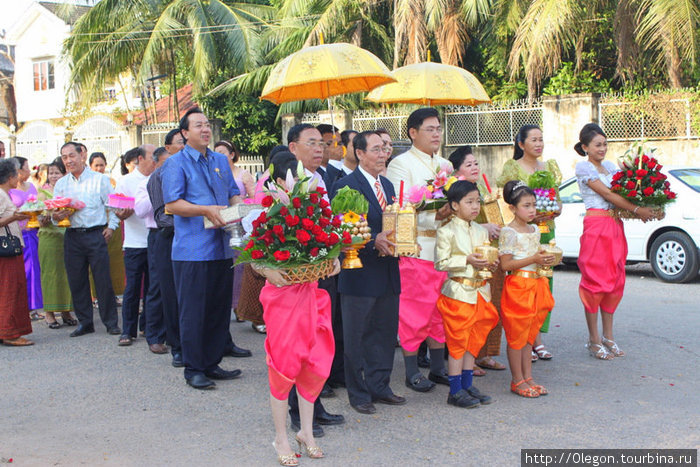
point(418, 193)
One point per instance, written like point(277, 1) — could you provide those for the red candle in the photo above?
point(486, 181)
point(401, 194)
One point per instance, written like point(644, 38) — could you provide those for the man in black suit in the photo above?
point(332, 154)
point(369, 296)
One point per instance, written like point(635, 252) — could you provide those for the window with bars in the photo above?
point(44, 75)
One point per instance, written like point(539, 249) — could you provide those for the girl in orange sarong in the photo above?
point(465, 300)
point(526, 298)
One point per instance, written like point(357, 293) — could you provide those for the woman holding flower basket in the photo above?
point(603, 244)
point(295, 242)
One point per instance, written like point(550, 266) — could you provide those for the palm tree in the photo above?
point(142, 36)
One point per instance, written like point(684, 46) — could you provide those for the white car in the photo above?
point(671, 245)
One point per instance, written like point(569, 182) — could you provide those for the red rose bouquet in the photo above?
point(297, 231)
point(641, 182)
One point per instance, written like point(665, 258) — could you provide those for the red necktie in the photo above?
point(380, 195)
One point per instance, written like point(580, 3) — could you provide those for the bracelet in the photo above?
point(635, 210)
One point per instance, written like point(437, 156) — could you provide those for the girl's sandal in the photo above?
point(599, 351)
point(289, 460)
point(542, 352)
point(613, 348)
point(541, 390)
point(527, 391)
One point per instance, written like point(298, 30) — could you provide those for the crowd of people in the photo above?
point(179, 285)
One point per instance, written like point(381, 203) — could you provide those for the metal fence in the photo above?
point(311, 118)
point(392, 120)
point(101, 133)
point(656, 118)
point(486, 125)
point(155, 134)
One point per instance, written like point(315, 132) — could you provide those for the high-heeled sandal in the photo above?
point(541, 390)
point(288, 460)
point(599, 351)
point(313, 452)
point(528, 391)
point(612, 347)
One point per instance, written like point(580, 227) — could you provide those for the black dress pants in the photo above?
point(85, 251)
point(164, 268)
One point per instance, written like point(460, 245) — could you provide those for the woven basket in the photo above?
point(659, 213)
point(308, 272)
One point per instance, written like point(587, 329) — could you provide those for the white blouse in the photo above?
point(520, 245)
point(585, 172)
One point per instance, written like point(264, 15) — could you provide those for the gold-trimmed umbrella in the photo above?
point(430, 84)
point(323, 71)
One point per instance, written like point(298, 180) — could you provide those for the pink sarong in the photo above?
point(299, 342)
point(419, 316)
point(602, 263)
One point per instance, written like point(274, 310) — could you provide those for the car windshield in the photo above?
point(690, 177)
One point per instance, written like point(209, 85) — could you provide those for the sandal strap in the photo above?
point(601, 353)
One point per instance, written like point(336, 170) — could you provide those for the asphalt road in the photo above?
point(86, 401)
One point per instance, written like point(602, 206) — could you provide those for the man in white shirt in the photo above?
point(306, 143)
point(135, 246)
point(419, 318)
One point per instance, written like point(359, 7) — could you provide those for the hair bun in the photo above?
point(578, 147)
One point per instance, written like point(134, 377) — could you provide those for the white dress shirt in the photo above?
point(371, 180)
point(93, 189)
point(415, 167)
point(135, 231)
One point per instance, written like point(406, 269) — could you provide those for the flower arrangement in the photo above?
point(433, 195)
point(296, 229)
point(641, 182)
point(351, 208)
point(32, 204)
point(60, 203)
point(546, 191)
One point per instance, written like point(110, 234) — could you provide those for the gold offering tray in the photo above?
point(404, 223)
point(233, 214)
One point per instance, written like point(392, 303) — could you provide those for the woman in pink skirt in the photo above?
point(603, 244)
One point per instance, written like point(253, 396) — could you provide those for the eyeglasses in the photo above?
point(376, 150)
point(388, 148)
point(315, 143)
point(432, 129)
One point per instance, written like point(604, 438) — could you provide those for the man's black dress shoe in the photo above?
point(392, 399)
point(327, 392)
point(177, 360)
point(236, 351)
point(439, 379)
point(201, 382)
point(220, 373)
point(367, 408)
point(329, 419)
point(420, 383)
point(81, 330)
point(114, 331)
point(316, 428)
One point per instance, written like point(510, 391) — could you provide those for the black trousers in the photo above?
point(330, 285)
point(204, 293)
point(155, 321)
point(370, 325)
point(166, 281)
point(85, 251)
point(136, 268)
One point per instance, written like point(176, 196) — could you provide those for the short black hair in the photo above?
point(275, 150)
point(20, 160)
point(82, 147)
point(458, 156)
point(383, 131)
point(459, 190)
point(326, 128)
point(514, 190)
point(58, 163)
point(97, 155)
point(75, 145)
point(345, 137)
point(417, 117)
point(359, 142)
point(185, 122)
point(171, 134)
point(158, 152)
point(281, 162)
point(296, 130)
point(8, 169)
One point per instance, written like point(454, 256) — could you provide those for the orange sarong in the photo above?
point(525, 303)
point(466, 324)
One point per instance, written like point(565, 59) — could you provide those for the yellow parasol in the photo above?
point(325, 70)
point(431, 84)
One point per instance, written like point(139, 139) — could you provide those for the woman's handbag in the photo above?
point(10, 245)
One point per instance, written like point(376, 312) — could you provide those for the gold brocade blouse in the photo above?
point(455, 241)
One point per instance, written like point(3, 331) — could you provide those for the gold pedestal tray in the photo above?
point(551, 249)
point(352, 259)
point(33, 222)
point(490, 254)
point(65, 222)
point(403, 224)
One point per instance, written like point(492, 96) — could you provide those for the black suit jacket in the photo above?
point(332, 175)
point(379, 275)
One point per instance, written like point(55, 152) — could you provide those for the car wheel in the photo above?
point(674, 257)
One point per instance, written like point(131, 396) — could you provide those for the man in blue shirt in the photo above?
point(198, 183)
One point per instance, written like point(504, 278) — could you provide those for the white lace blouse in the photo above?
point(520, 245)
point(585, 172)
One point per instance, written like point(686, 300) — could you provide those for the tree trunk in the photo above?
point(7, 94)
